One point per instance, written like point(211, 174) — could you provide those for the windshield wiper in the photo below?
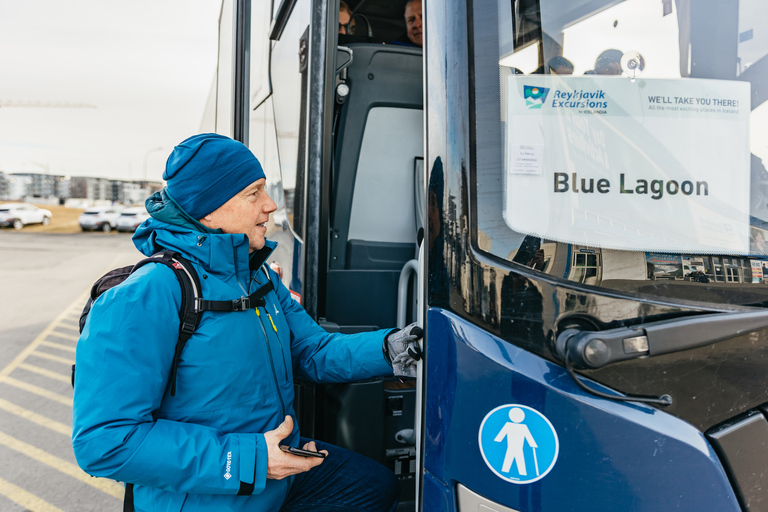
point(597, 349)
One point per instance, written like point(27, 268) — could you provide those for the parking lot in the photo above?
point(45, 280)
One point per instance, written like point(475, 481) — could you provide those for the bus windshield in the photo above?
point(627, 144)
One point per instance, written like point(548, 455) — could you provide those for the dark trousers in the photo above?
point(344, 482)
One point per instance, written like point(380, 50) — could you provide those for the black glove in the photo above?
point(402, 350)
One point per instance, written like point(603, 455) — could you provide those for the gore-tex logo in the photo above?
point(228, 475)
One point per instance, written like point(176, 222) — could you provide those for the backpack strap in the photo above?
point(190, 314)
point(254, 300)
point(128, 499)
point(193, 305)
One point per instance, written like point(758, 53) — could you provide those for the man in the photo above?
point(608, 63)
point(560, 66)
point(214, 445)
point(345, 14)
point(413, 21)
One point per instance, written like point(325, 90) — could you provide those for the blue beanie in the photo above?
point(207, 170)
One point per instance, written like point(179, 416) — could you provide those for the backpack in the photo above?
point(192, 307)
point(192, 304)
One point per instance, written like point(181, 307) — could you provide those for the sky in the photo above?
point(141, 72)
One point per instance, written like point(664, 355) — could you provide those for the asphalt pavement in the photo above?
point(44, 282)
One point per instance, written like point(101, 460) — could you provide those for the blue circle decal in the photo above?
point(518, 443)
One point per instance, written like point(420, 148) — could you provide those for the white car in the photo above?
point(100, 218)
point(131, 218)
point(19, 215)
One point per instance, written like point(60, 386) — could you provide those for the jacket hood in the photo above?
point(162, 206)
point(220, 253)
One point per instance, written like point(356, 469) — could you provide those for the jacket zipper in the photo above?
point(271, 363)
point(277, 335)
point(274, 327)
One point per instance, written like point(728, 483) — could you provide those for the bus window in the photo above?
point(385, 177)
point(286, 81)
point(261, 15)
point(628, 155)
point(225, 72)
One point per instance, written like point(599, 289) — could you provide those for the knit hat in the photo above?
point(207, 170)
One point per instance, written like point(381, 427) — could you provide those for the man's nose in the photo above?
point(271, 206)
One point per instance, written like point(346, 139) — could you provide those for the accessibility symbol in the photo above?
point(518, 443)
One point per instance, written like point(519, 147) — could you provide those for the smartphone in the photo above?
point(303, 453)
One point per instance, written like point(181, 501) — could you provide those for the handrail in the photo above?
point(411, 266)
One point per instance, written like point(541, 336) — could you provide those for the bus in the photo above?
point(570, 196)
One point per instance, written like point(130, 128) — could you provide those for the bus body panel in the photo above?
point(612, 456)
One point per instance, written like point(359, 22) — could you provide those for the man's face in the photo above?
point(343, 21)
point(247, 213)
point(413, 22)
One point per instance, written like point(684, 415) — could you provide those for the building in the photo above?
point(4, 185)
point(34, 187)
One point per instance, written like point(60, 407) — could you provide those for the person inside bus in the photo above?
point(560, 66)
point(216, 443)
point(345, 14)
point(413, 36)
point(413, 22)
point(608, 63)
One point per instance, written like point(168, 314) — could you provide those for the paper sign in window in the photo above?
point(648, 165)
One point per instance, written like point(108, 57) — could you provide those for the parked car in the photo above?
point(131, 218)
point(19, 215)
point(100, 218)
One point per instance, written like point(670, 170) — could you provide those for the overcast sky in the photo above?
point(144, 68)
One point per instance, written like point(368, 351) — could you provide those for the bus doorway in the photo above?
point(337, 121)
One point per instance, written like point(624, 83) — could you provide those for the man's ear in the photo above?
point(207, 220)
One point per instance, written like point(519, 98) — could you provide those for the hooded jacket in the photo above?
point(197, 450)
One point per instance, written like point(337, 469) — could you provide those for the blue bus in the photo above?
point(570, 196)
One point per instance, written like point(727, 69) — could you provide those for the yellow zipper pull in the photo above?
point(257, 312)
point(270, 321)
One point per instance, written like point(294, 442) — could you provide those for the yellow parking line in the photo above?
point(62, 325)
point(32, 346)
point(46, 373)
point(37, 390)
point(41, 420)
point(51, 357)
point(58, 346)
point(65, 336)
point(25, 499)
point(108, 486)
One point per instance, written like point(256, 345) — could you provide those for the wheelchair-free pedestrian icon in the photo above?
point(519, 444)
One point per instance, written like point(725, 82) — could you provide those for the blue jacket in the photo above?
point(197, 449)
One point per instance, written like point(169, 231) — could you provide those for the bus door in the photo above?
point(597, 337)
point(338, 123)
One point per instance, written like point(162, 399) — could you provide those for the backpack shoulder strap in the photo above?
point(190, 312)
point(252, 301)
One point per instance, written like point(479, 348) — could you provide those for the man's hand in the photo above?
point(282, 464)
point(404, 350)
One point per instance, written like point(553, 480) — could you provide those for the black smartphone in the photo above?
point(303, 453)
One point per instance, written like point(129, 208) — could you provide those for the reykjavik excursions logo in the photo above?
point(535, 97)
